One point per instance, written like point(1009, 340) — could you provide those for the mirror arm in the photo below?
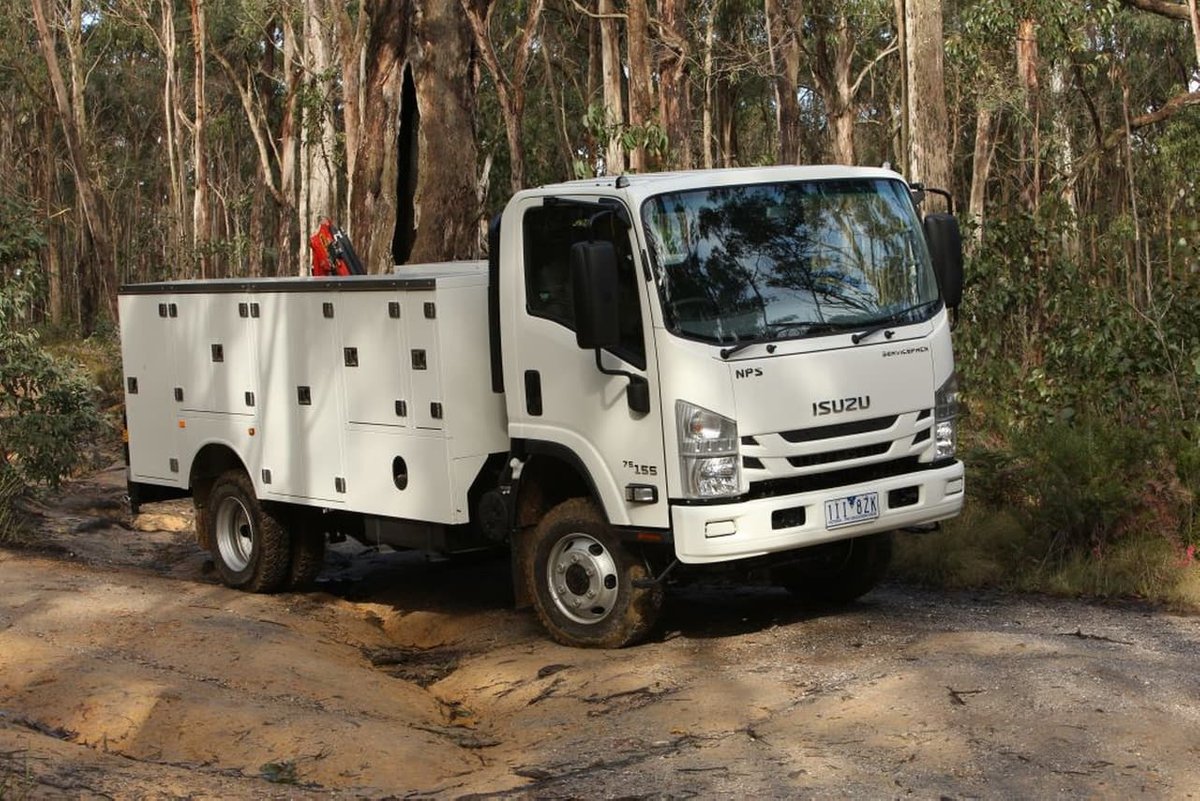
point(945, 194)
point(607, 371)
point(634, 379)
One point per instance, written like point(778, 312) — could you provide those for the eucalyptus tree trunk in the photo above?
point(163, 31)
point(832, 73)
point(289, 234)
point(641, 90)
point(99, 283)
point(351, 39)
point(200, 201)
point(1194, 19)
point(1027, 76)
point(444, 215)
point(510, 85)
point(674, 94)
point(928, 148)
point(784, 25)
point(706, 126)
point(610, 70)
point(373, 196)
point(318, 192)
point(981, 167)
point(901, 135)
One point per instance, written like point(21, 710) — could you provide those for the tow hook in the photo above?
point(647, 583)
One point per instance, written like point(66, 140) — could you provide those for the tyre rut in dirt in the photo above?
point(251, 549)
point(582, 578)
point(856, 566)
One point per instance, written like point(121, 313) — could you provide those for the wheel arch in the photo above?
point(550, 474)
point(213, 459)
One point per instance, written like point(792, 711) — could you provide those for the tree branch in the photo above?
point(589, 13)
point(252, 118)
point(1164, 8)
point(867, 69)
point(1166, 111)
point(1119, 135)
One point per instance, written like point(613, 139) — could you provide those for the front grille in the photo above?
point(839, 430)
point(845, 455)
point(774, 487)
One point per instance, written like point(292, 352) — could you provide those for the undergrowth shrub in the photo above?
point(1082, 439)
point(47, 408)
point(1090, 483)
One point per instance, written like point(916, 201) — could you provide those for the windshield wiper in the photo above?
point(775, 332)
point(875, 329)
point(741, 346)
point(888, 322)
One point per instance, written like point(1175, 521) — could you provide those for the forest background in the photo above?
point(153, 139)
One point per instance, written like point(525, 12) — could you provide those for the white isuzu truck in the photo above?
point(651, 376)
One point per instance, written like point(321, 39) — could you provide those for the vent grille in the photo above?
point(814, 459)
point(839, 430)
point(773, 487)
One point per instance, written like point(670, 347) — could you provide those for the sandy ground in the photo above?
point(126, 671)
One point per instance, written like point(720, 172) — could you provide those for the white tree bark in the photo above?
point(318, 138)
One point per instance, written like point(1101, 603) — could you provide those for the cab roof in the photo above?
point(642, 185)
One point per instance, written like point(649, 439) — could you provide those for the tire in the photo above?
point(851, 570)
point(308, 554)
point(252, 551)
point(594, 603)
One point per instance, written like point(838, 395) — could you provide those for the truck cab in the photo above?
point(739, 365)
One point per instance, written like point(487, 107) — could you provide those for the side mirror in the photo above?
point(946, 250)
point(594, 291)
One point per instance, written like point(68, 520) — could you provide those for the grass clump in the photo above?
point(1076, 508)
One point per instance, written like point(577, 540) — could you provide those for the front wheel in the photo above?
point(845, 570)
point(582, 580)
point(251, 549)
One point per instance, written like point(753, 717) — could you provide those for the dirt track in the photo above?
point(126, 671)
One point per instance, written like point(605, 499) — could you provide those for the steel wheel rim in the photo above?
point(235, 534)
point(582, 577)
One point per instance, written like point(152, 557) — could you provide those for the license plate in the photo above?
point(851, 509)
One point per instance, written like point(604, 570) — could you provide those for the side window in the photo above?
point(549, 232)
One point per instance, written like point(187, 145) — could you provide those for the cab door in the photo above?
point(556, 396)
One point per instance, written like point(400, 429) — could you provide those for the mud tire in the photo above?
point(308, 554)
point(251, 549)
point(630, 612)
point(852, 571)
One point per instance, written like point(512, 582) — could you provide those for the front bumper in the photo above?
point(741, 530)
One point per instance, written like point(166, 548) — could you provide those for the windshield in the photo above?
point(783, 260)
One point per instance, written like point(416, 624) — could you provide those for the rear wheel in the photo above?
point(846, 571)
point(582, 580)
point(251, 549)
point(308, 552)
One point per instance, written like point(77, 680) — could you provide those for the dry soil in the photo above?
point(127, 671)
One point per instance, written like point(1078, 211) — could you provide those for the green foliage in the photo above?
point(46, 407)
point(1084, 399)
point(1045, 339)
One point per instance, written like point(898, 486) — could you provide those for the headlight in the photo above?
point(708, 452)
point(945, 420)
